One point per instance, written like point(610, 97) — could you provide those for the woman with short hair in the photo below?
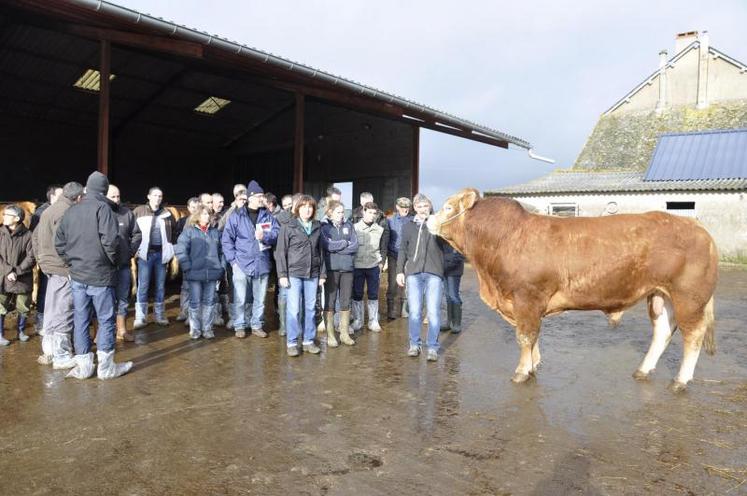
point(301, 268)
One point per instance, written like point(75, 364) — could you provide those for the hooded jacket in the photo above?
point(87, 237)
point(44, 236)
point(339, 245)
point(16, 255)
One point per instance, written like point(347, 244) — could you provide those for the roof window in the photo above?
point(91, 80)
point(212, 105)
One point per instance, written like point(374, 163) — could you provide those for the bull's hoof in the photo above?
point(641, 376)
point(518, 378)
point(678, 387)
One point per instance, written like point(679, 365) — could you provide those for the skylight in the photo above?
point(91, 80)
point(212, 105)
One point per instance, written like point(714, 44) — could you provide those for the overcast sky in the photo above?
point(542, 70)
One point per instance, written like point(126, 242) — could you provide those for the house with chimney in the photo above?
point(676, 142)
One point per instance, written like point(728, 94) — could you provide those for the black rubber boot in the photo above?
point(456, 319)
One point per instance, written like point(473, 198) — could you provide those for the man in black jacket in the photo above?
point(420, 263)
point(126, 221)
point(88, 241)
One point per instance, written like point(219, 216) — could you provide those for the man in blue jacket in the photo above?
point(247, 238)
point(394, 294)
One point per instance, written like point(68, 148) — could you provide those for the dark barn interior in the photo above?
point(190, 112)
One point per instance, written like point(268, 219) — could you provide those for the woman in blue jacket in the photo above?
point(201, 260)
point(339, 245)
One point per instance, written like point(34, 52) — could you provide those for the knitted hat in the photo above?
point(253, 188)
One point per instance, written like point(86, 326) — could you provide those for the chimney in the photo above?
point(705, 43)
point(683, 40)
point(662, 102)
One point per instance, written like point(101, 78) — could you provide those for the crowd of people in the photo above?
point(326, 269)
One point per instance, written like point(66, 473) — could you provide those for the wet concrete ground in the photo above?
point(239, 417)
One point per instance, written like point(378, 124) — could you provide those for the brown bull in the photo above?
point(530, 266)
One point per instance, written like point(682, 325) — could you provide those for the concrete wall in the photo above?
point(724, 214)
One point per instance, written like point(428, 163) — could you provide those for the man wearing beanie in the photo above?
point(247, 238)
point(88, 241)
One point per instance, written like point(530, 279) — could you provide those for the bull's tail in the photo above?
point(709, 340)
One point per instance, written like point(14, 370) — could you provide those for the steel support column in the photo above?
point(298, 145)
point(104, 107)
point(415, 172)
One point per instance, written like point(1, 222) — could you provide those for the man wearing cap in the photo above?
point(249, 234)
point(16, 265)
point(393, 291)
point(88, 240)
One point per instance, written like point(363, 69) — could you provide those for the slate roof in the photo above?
point(697, 156)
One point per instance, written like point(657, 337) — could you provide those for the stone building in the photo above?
point(676, 142)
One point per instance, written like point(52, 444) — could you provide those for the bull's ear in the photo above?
point(470, 196)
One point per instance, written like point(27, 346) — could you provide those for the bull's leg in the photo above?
point(691, 343)
point(661, 313)
point(527, 336)
point(536, 357)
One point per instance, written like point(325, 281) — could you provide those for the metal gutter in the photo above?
point(182, 32)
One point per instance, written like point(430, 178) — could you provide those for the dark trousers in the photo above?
point(369, 278)
point(392, 290)
point(338, 284)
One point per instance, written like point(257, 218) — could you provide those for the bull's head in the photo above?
point(449, 221)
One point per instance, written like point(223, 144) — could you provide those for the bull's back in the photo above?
point(608, 263)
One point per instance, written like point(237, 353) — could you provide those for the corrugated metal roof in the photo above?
point(564, 182)
point(700, 155)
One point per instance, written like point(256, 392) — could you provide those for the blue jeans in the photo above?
point(301, 292)
point(122, 289)
point(201, 293)
point(431, 285)
point(257, 285)
point(86, 300)
point(452, 289)
point(144, 269)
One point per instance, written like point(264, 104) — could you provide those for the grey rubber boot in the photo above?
point(357, 310)
point(373, 316)
point(107, 368)
point(405, 313)
point(208, 315)
point(456, 319)
point(141, 315)
point(183, 306)
point(195, 323)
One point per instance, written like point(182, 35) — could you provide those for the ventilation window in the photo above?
point(91, 80)
point(683, 208)
point(563, 209)
point(212, 105)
